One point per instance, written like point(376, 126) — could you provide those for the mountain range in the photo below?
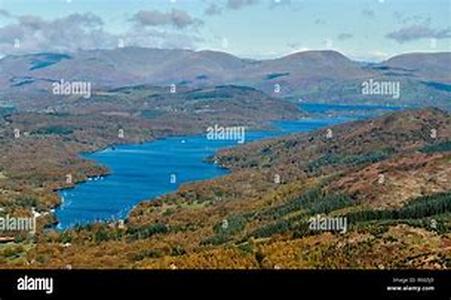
point(310, 76)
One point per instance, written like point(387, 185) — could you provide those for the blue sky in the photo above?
point(362, 29)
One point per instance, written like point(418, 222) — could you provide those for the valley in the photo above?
point(379, 164)
point(247, 220)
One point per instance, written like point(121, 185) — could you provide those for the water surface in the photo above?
point(145, 171)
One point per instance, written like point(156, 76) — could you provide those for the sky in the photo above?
point(369, 30)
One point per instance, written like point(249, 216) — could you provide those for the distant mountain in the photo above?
point(429, 66)
point(313, 76)
point(133, 65)
point(313, 64)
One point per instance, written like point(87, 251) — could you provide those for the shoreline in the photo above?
point(273, 127)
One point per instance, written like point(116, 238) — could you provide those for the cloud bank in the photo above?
point(177, 18)
point(416, 32)
point(29, 33)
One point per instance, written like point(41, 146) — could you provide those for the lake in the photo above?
point(145, 171)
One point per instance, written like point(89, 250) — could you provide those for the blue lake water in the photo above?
point(145, 171)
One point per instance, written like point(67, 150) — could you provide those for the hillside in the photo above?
point(34, 165)
point(248, 220)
